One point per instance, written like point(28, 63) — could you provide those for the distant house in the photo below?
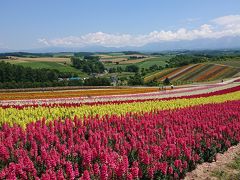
point(73, 78)
point(69, 79)
point(60, 79)
point(114, 80)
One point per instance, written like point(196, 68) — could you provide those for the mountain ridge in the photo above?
point(232, 42)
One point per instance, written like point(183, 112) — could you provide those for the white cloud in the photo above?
point(217, 28)
point(228, 21)
point(44, 41)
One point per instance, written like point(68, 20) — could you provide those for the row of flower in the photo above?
point(30, 114)
point(74, 93)
point(75, 98)
point(237, 80)
point(175, 94)
point(152, 145)
point(208, 74)
point(188, 73)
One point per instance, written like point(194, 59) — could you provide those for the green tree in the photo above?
point(132, 68)
point(135, 80)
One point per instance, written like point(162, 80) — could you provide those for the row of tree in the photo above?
point(182, 60)
point(15, 73)
point(119, 69)
point(88, 82)
point(135, 69)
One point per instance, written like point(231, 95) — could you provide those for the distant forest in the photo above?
point(15, 76)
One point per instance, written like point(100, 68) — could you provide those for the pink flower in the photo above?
point(4, 154)
point(129, 176)
point(104, 173)
point(170, 170)
point(135, 171)
point(86, 175)
point(96, 169)
point(60, 175)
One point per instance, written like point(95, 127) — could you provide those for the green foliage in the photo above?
point(112, 70)
point(132, 68)
point(234, 62)
point(97, 81)
point(14, 73)
point(119, 69)
point(17, 85)
point(155, 67)
point(88, 64)
point(158, 60)
point(15, 76)
point(135, 80)
point(50, 65)
point(182, 60)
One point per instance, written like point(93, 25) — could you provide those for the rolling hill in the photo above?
point(194, 73)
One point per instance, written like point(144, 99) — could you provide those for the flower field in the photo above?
point(195, 73)
point(155, 135)
point(62, 94)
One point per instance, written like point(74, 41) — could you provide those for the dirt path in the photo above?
point(226, 166)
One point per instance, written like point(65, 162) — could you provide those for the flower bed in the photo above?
point(81, 93)
point(75, 102)
point(157, 144)
point(209, 73)
point(188, 74)
point(23, 116)
point(237, 80)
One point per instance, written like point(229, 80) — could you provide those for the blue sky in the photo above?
point(30, 24)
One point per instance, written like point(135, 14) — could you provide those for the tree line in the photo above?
point(182, 60)
point(15, 73)
point(16, 76)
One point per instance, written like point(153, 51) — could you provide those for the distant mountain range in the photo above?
point(198, 44)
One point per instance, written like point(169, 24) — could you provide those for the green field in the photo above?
point(63, 54)
point(112, 65)
point(234, 63)
point(115, 54)
point(158, 60)
point(50, 65)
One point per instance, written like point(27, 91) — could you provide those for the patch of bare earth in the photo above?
point(226, 166)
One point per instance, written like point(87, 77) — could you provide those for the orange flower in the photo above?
point(78, 93)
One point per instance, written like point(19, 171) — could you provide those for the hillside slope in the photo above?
point(195, 73)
